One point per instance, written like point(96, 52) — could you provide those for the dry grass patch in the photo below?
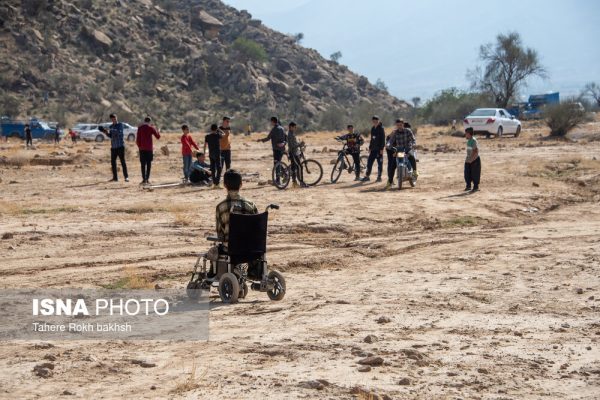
point(189, 382)
point(132, 279)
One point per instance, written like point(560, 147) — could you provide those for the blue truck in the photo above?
point(15, 128)
point(537, 102)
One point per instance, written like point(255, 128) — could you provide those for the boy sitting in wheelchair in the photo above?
point(239, 255)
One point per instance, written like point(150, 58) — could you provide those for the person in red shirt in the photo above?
point(144, 142)
point(186, 151)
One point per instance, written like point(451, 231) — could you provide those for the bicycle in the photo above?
point(310, 170)
point(343, 163)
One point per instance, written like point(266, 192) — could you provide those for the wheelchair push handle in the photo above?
point(272, 207)
point(213, 239)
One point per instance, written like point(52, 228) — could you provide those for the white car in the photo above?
point(93, 133)
point(492, 121)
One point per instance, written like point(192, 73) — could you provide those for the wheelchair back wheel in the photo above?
point(229, 288)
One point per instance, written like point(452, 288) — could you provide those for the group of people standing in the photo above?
point(402, 139)
point(218, 144)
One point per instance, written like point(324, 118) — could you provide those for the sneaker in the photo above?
point(475, 189)
point(378, 179)
point(357, 178)
point(143, 183)
point(415, 173)
point(303, 185)
point(365, 179)
point(468, 189)
point(294, 184)
point(126, 179)
point(388, 186)
point(114, 180)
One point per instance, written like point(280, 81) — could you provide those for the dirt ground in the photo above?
point(494, 295)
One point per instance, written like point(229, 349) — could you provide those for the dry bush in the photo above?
point(190, 382)
point(562, 118)
point(183, 219)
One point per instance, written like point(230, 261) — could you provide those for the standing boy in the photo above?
point(144, 142)
point(472, 162)
point(294, 153)
point(28, 137)
point(213, 142)
point(117, 147)
point(186, 151)
point(376, 147)
point(353, 142)
point(226, 144)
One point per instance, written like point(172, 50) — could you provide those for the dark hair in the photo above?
point(112, 116)
point(232, 180)
point(399, 120)
point(199, 154)
point(147, 119)
point(214, 127)
point(407, 125)
point(27, 125)
point(274, 119)
point(184, 127)
point(226, 118)
point(350, 126)
point(469, 130)
point(375, 118)
point(292, 123)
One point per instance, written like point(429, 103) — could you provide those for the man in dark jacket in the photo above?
point(278, 139)
point(213, 142)
point(28, 137)
point(144, 142)
point(376, 147)
point(117, 147)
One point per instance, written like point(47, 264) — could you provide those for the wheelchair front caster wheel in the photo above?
point(193, 290)
point(243, 291)
point(278, 291)
point(229, 288)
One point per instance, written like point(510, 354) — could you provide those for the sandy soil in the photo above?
point(493, 295)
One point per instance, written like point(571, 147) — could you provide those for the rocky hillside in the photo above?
point(177, 60)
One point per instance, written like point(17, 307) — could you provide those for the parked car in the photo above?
point(492, 121)
point(94, 134)
point(14, 128)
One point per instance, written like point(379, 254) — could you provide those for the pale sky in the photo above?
point(420, 47)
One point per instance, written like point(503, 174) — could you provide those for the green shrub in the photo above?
point(250, 50)
point(452, 104)
point(562, 118)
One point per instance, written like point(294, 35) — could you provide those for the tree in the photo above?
point(416, 101)
point(507, 66)
point(298, 37)
point(335, 57)
point(592, 89)
point(379, 84)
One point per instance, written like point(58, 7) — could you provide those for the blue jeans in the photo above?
point(187, 164)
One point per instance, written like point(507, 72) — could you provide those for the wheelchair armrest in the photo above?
point(213, 239)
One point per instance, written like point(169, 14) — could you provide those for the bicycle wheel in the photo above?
point(311, 171)
point(281, 175)
point(338, 167)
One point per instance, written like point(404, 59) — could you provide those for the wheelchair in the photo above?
point(242, 262)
